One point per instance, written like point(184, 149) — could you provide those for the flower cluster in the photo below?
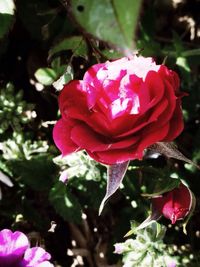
point(15, 251)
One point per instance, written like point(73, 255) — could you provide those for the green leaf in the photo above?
point(190, 53)
point(7, 9)
point(64, 79)
point(163, 186)
point(45, 76)
point(182, 62)
point(111, 54)
point(38, 173)
point(5, 179)
point(111, 21)
point(126, 13)
point(65, 203)
point(75, 43)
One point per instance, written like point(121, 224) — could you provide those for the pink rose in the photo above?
point(119, 109)
point(175, 204)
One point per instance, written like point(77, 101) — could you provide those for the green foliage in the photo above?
point(49, 43)
point(75, 43)
point(38, 172)
point(107, 20)
point(147, 249)
point(45, 76)
point(14, 111)
point(65, 203)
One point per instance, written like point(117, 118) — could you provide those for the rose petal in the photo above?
point(154, 116)
point(73, 101)
point(115, 156)
point(171, 76)
point(87, 139)
point(91, 73)
point(62, 136)
point(150, 137)
point(176, 124)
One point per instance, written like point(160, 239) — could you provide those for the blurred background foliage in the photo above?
point(44, 44)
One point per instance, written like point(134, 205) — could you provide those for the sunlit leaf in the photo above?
point(111, 21)
point(5, 179)
point(7, 9)
point(65, 78)
point(45, 76)
point(115, 175)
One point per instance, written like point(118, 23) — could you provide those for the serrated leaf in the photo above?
point(110, 21)
point(115, 175)
point(75, 43)
point(65, 203)
point(45, 76)
point(170, 151)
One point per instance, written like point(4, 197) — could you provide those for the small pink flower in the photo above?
point(174, 205)
point(15, 251)
point(119, 109)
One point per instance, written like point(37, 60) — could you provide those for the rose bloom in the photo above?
point(15, 251)
point(175, 204)
point(119, 109)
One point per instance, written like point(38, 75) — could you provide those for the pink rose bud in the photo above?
point(174, 205)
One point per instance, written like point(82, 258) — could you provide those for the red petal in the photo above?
point(159, 109)
point(61, 136)
point(171, 76)
point(88, 139)
point(76, 99)
point(176, 124)
point(151, 136)
point(111, 157)
point(73, 100)
point(155, 87)
point(91, 73)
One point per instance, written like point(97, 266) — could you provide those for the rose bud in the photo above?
point(175, 204)
point(119, 109)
